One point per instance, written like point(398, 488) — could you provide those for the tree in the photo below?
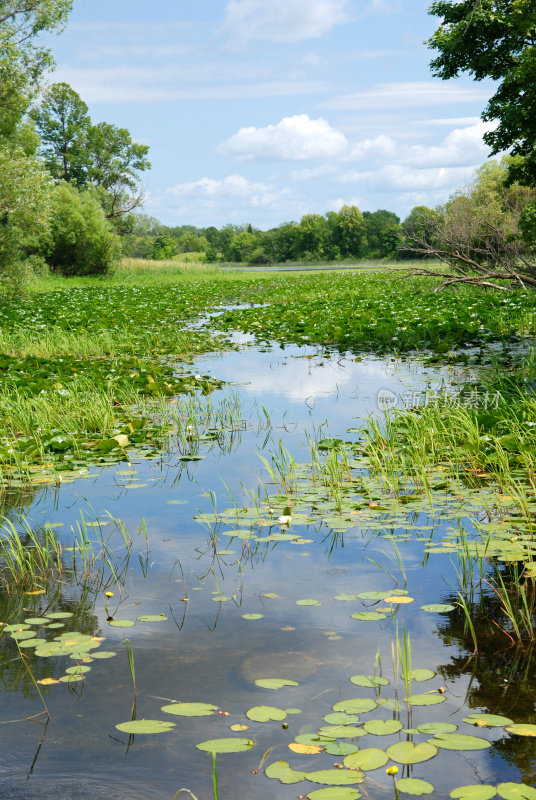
point(418, 231)
point(81, 241)
point(348, 231)
point(383, 232)
point(477, 234)
point(495, 39)
point(22, 61)
point(24, 212)
point(102, 155)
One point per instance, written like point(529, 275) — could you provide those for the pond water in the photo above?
point(204, 580)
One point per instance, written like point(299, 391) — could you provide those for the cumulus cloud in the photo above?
point(408, 95)
point(297, 138)
point(233, 186)
point(407, 178)
point(460, 146)
point(282, 20)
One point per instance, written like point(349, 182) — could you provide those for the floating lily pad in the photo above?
point(414, 786)
point(334, 793)
point(252, 616)
point(77, 676)
point(226, 745)
point(53, 626)
point(488, 720)
point(438, 608)
point(122, 623)
point(522, 729)
point(238, 727)
point(30, 642)
point(421, 675)
point(305, 749)
point(459, 741)
point(266, 714)
point(400, 600)
point(60, 615)
point(80, 669)
point(432, 728)
point(145, 726)
point(482, 792)
point(368, 759)
point(381, 727)
point(293, 710)
point(368, 616)
point(281, 771)
point(344, 596)
point(103, 654)
point(341, 718)
point(341, 731)
point(373, 595)
point(516, 791)
point(22, 626)
point(425, 699)
point(20, 635)
point(340, 748)
point(369, 681)
point(336, 777)
point(36, 620)
point(274, 683)
point(357, 705)
point(190, 709)
point(308, 602)
point(410, 753)
point(314, 739)
point(152, 618)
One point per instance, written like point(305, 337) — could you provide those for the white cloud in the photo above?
point(408, 95)
point(379, 147)
point(234, 187)
point(406, 178)
point(462, 145)
point(310, 173)
point(297, 138)
point(282, 20)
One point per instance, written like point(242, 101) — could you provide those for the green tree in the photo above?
point(164, 248)
point(22, 60)
point(81, 241)
point(313, 237)
point(383, 232)
point(495, 39)
point(24, 212)
point(418, 231)
point(348, 232)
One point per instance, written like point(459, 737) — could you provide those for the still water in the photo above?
point(206, 651)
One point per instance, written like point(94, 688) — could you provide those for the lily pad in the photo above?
point(226, 745)
point(425, 699)
point(522, 729)
point(515, 791)
point(340, 748)
point(414, 786)
point(410, 753)
point(36, 620)
point(341, 718)
point(305, 749)
point(334, 793)
point(122, 623)
point(308, 602)
point(432, 728)
point(60, 615)
point(369, 681)
point(357, 705)
point(266, 714)
point(190, 709)
point(275, 683)
point(381, 727)
point(336, 777)
point(421, 675)
point(252, 616)
point(367, 759)
point(281, 771)
point(488, 720)
point(438, 608)
point(473, 792)
point(368, 616)
point(459, 741)
point(152, 618)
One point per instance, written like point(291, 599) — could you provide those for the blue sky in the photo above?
point(262, 111)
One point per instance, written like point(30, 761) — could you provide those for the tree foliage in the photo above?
point(495, 39)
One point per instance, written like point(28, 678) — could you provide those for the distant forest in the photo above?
point(347, 234)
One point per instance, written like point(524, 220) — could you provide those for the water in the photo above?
point(206, 651)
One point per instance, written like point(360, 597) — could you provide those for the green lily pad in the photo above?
point(410, 753)
point(335, 793)
point(122, 623)
point(341, 731)
point(145, 726)
point(431, 728)
point(340, 748)
point(368, 616)
point(414, 786)
point(81, 668)
point(344, 596)
point(77, 676)
point(274, 683)
point(341, 718)
point(459, 741)
point(357, 705)
point(266, 714)
point(226, 745)
point(369, 681)
point(438, 608)
point(373, 595)
point(22, 626)
point(190, 709)
point(421, 675)
point(425, 699)
point(60, 615)
point(103, 654)
point(20, 635)
point(336, 777)
point(488, 720)
point(522, 729)
point(308, 602)
point(252, 616)
point(515, 791)
point(482, 792)
point(36, 620)
point(293, 710)
point(281, 771)
point(30, 643)
point(55, 626)
point(367, 759)
point(381, 727)
point(152, 618)
point(314, 739)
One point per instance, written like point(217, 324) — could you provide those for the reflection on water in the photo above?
point(205, 581)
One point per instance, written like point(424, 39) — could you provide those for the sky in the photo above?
point(261, 111)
